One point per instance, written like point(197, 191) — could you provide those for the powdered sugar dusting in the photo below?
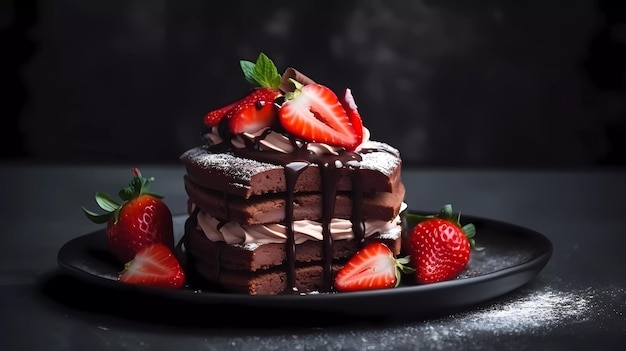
point(531, 312)
point(392, 234)
point(378, 156)
point(248, 246)
point(385, 161)
point(227, 163)
point(535, 312)
point(538, 310)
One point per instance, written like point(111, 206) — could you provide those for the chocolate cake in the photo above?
point(279, 209)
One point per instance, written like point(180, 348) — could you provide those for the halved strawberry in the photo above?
point(214, 117)
point(352, 111)
point(373, 267)
point(155, 266)
point(248, 114)
point(254, 112)
point(313, 113)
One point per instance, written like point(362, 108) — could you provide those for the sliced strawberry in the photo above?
point(352, 111)
point(313, 113)
point(248, 114)
point(254, 112)
point(373, 267)
point(214, 117)
point(154, 266)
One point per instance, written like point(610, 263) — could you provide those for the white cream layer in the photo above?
point(340, 229)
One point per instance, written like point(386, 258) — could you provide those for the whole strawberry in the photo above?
point(439, 247)
point(142, 219)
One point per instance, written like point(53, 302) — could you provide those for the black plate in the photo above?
point(511, 257)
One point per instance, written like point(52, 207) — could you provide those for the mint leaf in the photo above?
point(266, 72)
point(263, 73)
point(248, 71)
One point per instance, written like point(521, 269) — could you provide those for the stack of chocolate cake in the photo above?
point(287, 187)
point(265, 222)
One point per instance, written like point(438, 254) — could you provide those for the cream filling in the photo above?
point(340, 229)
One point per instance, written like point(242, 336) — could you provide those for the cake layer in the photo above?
point(378, 171)
point(261, 269)
point(309, 278)
point(257, 257)
point(271, 208)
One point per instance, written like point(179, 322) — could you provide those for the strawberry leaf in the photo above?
point(139, 185)
point(414, 218)
point(126, 193)
point(106, 202)
point(446, 213)
point(470, 230)
point(403, 265)
point(95, 217)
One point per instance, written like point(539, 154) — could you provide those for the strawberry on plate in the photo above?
point(140, 220)
point(314, 113)
point(439, 246)
point(373, 267)
point(155, 266)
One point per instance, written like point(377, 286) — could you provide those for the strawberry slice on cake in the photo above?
point(314, 113)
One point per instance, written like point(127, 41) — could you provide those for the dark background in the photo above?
point(450, 83)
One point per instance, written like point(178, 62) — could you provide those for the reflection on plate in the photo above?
point(511, 257)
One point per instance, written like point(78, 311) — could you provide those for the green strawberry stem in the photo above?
point(293, 94)
point(403, 264)
point(137, 187)
point(446, 213)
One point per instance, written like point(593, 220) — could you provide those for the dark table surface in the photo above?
point(577, 301)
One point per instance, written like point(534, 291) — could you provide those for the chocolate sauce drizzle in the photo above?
point(294, 164)
point(292, 172)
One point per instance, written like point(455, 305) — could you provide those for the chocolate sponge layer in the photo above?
point(270, 208)
point(260, 269)
point(379, 172)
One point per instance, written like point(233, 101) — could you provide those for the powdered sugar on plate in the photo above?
point(541, 309)
point(530, 312)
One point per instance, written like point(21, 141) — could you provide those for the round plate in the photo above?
point(511, 257)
